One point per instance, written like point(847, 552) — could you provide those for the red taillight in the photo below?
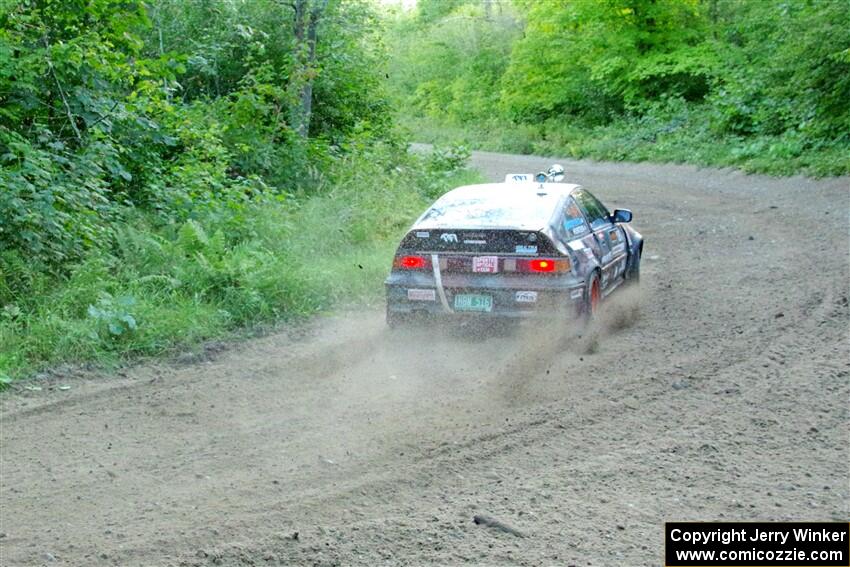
point(543, 265)
point(412, 262)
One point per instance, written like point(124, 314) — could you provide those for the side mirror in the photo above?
point(622, 215)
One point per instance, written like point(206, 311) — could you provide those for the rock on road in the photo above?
point(339, 443)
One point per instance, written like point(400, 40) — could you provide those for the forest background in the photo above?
point(176, 171)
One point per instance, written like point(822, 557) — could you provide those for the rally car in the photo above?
point(531, 246)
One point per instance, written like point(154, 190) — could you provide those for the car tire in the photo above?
point(634, 271)
point(592, 297)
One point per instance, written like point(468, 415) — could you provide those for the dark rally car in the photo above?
point(515, 249)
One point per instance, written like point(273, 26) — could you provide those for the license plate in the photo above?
point(473, 302)
point(485, 264)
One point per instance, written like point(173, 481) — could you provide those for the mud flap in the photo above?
point(438, 280)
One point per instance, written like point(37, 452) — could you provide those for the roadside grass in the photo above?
point(673, 138)
point(160, 289)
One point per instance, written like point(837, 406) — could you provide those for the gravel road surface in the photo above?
point(718, 391)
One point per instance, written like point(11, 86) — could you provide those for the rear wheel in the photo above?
point(592, 297)
point(634, 271)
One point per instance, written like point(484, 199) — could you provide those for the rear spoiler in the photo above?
point(484, 241)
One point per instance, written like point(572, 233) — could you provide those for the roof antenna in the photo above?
point(556, 173)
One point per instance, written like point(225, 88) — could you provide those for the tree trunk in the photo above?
point(306, 23)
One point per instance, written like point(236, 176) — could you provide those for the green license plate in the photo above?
point(473, 302)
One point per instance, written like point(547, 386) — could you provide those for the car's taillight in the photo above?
point(412, 262)
point(543, 265)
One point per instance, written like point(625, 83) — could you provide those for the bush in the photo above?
point(764, 86)
point(159, 287)
point(676, 133)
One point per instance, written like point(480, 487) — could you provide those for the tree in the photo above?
point(598, 56)
point(306, 17)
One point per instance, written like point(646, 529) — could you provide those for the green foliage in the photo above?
point(595, 58)
point(249, 49)
point(156, 188)
point(760, 85)
point(173, 107)
point(162, 287)
point(451, 68)
point(662, 136)
point(114, 315)
point(787, 69)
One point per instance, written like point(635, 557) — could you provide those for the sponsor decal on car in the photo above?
point(485, 264)
point(448, 237)
point(621, 267)
point(525, 249)
point(526, 296)
point(571, 223)
point(423, 234)
point(421, 295)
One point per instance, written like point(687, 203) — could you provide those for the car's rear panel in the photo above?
point(481, 272)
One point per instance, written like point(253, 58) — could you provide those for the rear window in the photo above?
point(491, 212)
point(478, 241)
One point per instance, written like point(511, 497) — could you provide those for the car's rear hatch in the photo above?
point(511, 270)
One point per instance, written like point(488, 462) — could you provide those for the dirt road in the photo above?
point(724, 397)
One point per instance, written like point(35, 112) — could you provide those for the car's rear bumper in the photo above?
point(516, 301)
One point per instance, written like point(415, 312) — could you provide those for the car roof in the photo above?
point(519, 206)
